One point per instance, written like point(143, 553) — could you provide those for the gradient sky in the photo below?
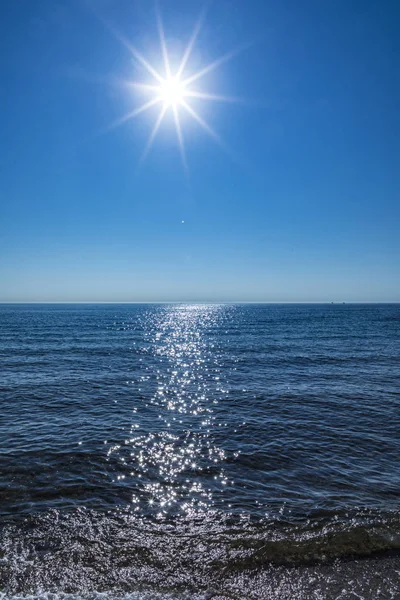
point(307, 209)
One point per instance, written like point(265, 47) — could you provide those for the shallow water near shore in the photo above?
point(199, 451)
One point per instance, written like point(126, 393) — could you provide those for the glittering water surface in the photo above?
point(232, 451)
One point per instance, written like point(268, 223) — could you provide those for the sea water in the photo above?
point(200, 451)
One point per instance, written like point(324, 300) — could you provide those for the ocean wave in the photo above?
point(81, 551)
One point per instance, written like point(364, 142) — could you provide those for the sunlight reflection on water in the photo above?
point(176, 459)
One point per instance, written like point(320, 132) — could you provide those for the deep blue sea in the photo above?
point(177, 451)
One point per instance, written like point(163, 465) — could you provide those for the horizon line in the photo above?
point(200, 302)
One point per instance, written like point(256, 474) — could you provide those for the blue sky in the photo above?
point(306, 206)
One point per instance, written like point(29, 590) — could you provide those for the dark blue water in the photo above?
point(200, 451)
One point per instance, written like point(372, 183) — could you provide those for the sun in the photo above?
point(171, 90)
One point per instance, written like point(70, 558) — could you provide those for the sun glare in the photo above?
point(172, 91)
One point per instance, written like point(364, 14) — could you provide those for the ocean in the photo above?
point(198, 452)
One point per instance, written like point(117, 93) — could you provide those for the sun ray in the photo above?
point(142, 86)
point(146, 64)
point(134, 113)
point(212, 66)
point(205, 96)
point(163, 44)
point(201, 121)
point(210, 132)
point(131, 48)
point(153, 134)
point(191, 44)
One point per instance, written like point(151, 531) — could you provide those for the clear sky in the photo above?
point(301, 205)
